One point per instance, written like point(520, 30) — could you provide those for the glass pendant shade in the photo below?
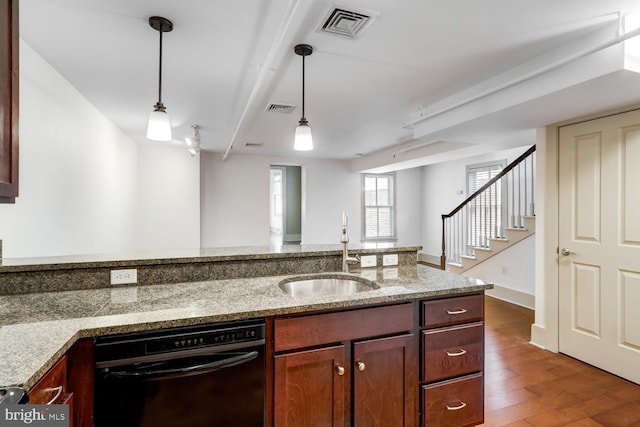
point(303, 140)
point(159, 127)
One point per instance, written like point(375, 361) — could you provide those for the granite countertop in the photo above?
point(174, 256)
point(37, 329)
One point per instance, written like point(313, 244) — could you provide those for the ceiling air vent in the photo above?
point(253, 144)
point(347, 23)
point(275, 107)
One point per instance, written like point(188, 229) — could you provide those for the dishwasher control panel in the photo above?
point(205, 339)
point(172, 340)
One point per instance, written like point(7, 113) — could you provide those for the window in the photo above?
point(485, 212)
point(378, 206)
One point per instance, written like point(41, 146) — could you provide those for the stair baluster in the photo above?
point(505, 200)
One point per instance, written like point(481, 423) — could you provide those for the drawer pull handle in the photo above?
point(361, 366)
point(459, 311)
point(340, 370)
point(456, 408)
point(58, 393)
point(460, 353)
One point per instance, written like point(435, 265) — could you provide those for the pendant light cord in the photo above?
point(303, 116)
point(160, 71)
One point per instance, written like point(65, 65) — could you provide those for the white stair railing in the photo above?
point(502, 203)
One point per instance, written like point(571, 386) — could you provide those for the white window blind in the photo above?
point(378, 206)
point(485, 215)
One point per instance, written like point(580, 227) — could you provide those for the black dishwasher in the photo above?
point(206, 375)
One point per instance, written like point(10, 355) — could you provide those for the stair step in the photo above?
point(471, 257)
point(481, 248)
point(516, 229)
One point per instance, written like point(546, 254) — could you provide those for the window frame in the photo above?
point(393, 182)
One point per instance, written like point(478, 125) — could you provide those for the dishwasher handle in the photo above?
point(155, 371)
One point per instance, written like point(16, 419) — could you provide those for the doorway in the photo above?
point(599, 243)
point(285, 211)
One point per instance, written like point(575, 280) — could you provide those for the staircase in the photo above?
point(498, 215)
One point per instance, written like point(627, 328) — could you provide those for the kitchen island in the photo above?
point(38, 328)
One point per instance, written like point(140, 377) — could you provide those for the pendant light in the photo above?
point(159, 127)
point(303, 140)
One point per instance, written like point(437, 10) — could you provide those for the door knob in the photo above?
point(565, 251)
point(340, 370)
point(361, 366)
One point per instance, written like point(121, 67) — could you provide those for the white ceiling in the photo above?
point(225, 61)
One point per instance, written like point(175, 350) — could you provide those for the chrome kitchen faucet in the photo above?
point(346, 260)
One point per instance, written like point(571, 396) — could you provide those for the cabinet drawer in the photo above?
point(453, 351)
point(449, 311)
point(52, 387)
point(318, 329)
point(454, 403)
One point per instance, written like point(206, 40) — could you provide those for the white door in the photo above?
point(599, 239)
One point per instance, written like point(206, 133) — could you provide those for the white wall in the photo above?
point(77, 172)
point(168, 209)
point(441, 183)
point(235, 200)
point(512, 272)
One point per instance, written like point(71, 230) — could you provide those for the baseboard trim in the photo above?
point(428, 264)
point(512, 296)
point(539, 336)
point(429, 259)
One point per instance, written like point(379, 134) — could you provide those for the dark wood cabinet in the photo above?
point(52, 387)
point(384, 381)
point(9, 75)
point(452, 361)
point(355, 367)
point(311, 387)
point(70, 382)
point(453, 351)
point(80, 378)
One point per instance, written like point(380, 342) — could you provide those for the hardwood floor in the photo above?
point(528, 386)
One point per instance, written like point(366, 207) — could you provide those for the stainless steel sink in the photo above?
point(321, 286)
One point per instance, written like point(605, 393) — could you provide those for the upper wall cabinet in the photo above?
point(8, 101)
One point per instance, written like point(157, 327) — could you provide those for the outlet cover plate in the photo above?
point(128, 276)
point(368, 261)
point(390, 259)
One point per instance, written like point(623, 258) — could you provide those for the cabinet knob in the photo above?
point(361, 366)
point(340, 370)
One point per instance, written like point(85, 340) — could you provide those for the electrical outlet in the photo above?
point(368, 261)
point(391, 259)
point(124, 277)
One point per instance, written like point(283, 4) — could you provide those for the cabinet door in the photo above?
point(385, 382)
point(310, 388)
point(52, 387)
